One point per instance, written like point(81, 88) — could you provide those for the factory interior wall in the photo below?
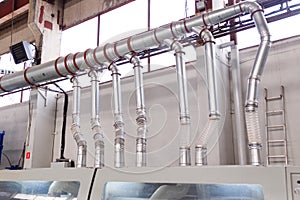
point(163, 117)
point(13, 121)
point(282, 68)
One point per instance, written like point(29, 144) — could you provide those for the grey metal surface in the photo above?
point(118, 116)
point(75, 128)
point(141, 120)
point(272, 179)
point(184, 112)
point(83, 175)
point(210, 67)
point(239, 122)
point(95, 120)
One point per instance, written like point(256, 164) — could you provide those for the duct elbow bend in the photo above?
point(174, 45)
point(113, 68)
point(75, 81)
point(134, 59)
point(250, 7)
point(93, 74)
point(204, 34)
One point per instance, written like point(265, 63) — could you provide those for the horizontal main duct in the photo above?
point(93, 58)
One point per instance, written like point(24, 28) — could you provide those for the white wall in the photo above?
point(13, 120)
point(282, 68)
point(162, 105)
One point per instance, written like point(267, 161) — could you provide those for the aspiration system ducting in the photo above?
point(213, 104)
point(184, 113)
point(75, 127)
point(141, 119)
point(118, 117)
point(95, 120)
point(92, 58)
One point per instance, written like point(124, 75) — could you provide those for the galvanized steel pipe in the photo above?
point(141, 119)
point(75, 128)
point(95, 121)
point(184, 148)
point(211, 70)
point(72, 63)
point(118, 117)
point(240, 125)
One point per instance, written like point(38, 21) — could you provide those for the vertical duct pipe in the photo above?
point(239, 116)
point(213, 104)
point(185, 122)
point(137, 43)
point(75, 128)
point(141, 119)
point(251, 105)
point(95, 121)
point(118, 117)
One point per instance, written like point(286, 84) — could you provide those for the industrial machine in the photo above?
point(219, 182)
point(115, 179)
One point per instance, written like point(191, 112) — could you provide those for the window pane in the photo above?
point(124, 21)
point(80, 37)
point(39, 189)
point(173, 11)
point(135, 190)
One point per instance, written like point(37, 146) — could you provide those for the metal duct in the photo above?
point(71, 63)
point(141, 119)
point(75, 128)
point(213, 104)
point(118, 117)
point(239, 116)
point(185, 123)
point(210, 67)
point(95, 121)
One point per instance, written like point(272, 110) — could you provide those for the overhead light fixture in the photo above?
point(21, 52)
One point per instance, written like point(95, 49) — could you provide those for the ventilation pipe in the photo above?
point(251, 106)
point(213, 104)
point(72, 63)
point(239, 116)
point(141, 119)
point(118, 117)
point(95, 121)
point(185, 123)
point(75, 128)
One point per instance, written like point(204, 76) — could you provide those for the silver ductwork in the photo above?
point(75, 128)
point(141, 119)
point(184, 113)
point(118, 117)
point(240, 125)
point(211, 70)
point(72, 63)
point(95, 121)
point(213, 104)
point(251, 105)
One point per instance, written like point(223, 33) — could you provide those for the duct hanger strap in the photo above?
point(27, 80)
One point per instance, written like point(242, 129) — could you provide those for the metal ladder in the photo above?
point(276, 136)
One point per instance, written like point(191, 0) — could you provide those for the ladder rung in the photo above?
point(277, 156)
point(275, 112)
point(276, 141)
point(273, 98)
point(278, 126)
